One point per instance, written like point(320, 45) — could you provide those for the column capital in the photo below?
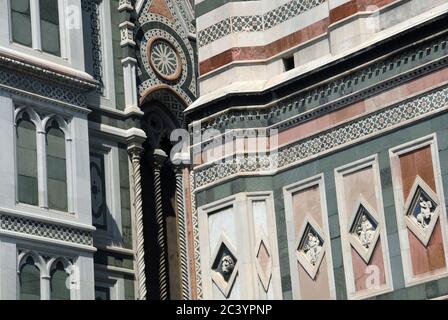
point(180, 161)
point(178, 168)
point(159, 158)
point(135, 150)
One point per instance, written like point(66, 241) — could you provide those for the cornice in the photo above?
point(261, 94)
point(402, 114)
point(48, 72)
point(128, 137)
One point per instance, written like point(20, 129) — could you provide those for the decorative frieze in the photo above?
point(31, 69)
point(92, 8)
point(24, 85)
point(332, 139)
point(187, 14)
point(255, 23)
point(335, 94)
point(45, 230)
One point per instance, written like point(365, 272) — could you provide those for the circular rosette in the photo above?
point(164, 59)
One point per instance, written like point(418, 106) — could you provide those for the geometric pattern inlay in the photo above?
point(44, 88)
point(369, 125)
point(196, 241)
point(255, 23)
point(92, 9)
point(307, 104)
point(263, 261)
point(150, 26)
point(45, 230)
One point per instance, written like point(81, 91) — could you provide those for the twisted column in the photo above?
point(135, 154)
point(181, 226)
point(195, 221)
point(159, 159)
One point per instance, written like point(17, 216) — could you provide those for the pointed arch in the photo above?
point(39, 262)
point(52, 263)
point(161, 87)
point(27, 126)
point(58, 157)
point(34, 117)
point(172, 101)
point(48, 121)
point(61, 278)
point(31, 270)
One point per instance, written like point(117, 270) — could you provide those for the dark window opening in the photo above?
point(288, 63)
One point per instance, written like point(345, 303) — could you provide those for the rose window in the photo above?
point(164, 59)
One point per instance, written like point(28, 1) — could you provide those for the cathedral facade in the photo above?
point(223, 149)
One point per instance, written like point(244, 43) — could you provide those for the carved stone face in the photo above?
point(227, 265)
point(425, 204)
point(313, 241)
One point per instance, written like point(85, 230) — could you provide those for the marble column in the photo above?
point(181, 226)
point(135, 153)
point(159, 159)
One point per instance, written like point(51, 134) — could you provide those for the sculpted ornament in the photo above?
point(425, 214)
point(365, 231)
point(422, 210)
point(312, 248)
point(224, 267)
point(227, 265)
point(164, 59)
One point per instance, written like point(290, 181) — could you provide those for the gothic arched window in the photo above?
point(29, 280)
point(59, 283)
point(26, 161)
point(56, 168)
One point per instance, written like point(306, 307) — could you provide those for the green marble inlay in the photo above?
point(126, 222)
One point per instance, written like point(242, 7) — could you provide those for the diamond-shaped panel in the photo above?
point(224, 266)
point(263, 261)
point(422, 210)
point(310, 249)
point(364, 230)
